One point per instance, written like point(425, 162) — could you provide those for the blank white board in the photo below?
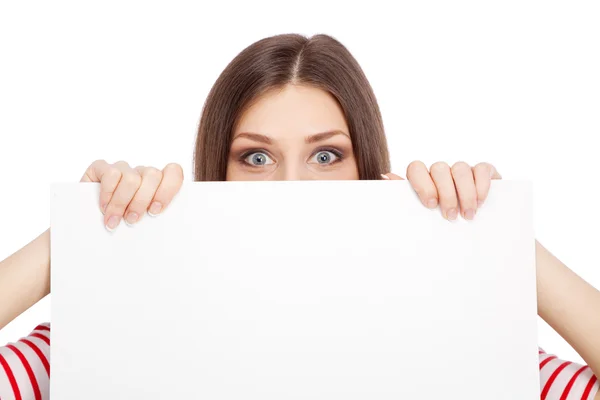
point(294, 290)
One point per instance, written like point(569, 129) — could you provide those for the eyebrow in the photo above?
point(318, 137)
point(323, 136)
point(254, 136)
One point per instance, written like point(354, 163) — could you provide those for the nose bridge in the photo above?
point(293, 169)
point(293, 172)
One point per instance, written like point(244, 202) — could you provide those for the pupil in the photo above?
point(259, 159)
point(323, 158)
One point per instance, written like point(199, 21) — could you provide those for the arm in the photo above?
point(25, 275)
point(125, 192)
point(570, 306)
point(24, 278)
point(565, 301)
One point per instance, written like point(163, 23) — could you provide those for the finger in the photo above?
point(169, 186)
point(421, 181)
point(391, 176)
point(442, 177)
point(483, 173)
point(151, 178)
point(128, 186)
point(465, 187)
point(108, 176)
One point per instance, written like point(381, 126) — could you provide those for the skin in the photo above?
point(292, 131)
point(299, 133)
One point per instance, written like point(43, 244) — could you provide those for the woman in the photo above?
point(292, 108)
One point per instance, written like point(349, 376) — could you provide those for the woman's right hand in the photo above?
point(127, 193)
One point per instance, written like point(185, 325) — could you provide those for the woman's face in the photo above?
point(294, 133)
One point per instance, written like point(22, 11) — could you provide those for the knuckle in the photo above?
point(415, 166)
point(131, 179)
point(152, 173)
point(112, 173)
point(424, 194)
point(167, 188)
point(418, 190)
point(175, 169)
point(137, 205)
point(482, 167)
point(460, 166)
point(117, 204)
point(470, 203)
point(448, 201)
point(121, 163)
point(439, 166)
point(429, 193)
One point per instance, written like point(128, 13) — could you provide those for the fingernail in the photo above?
point(432, 203)
point(479, 203)
point(155, 209)
point(385, 177)
point(469, 214)
point(451, 214)
point(131, 218)
point(113, 222)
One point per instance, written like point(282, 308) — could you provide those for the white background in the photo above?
point(513, 83)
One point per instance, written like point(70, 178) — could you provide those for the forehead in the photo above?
point(294, 110)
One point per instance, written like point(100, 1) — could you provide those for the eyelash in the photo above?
point(242, 158)
point(339, 155)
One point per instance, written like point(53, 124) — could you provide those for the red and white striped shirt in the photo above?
point(25, 372)
point(25, 367)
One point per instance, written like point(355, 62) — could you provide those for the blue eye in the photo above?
point(324, 157)
point(258, 159)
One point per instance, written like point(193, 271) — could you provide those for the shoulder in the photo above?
point(25, 366)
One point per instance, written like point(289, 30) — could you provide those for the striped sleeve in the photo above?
point(25, 367)
point(25, 372)
point(565, 380)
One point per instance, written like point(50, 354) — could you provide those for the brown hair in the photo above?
point(320, 61)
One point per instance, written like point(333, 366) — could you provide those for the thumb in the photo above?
point(391, 176)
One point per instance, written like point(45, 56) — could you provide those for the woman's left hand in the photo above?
point(458, 188)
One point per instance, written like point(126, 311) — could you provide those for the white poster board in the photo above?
point(294, 290)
